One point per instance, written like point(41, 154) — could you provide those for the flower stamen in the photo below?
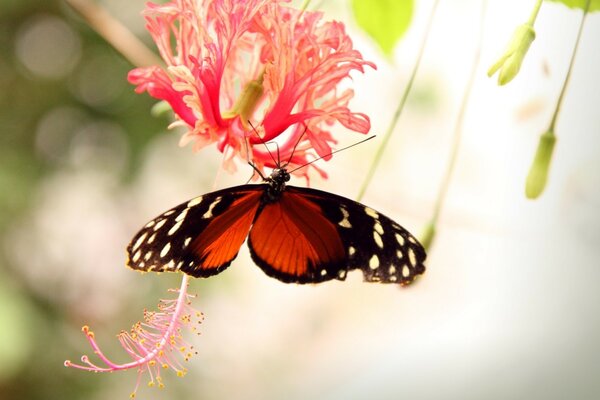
point(152, 344)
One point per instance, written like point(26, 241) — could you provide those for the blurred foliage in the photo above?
point(26, 98)
point(42, 114)
point(386, 21)
point(594, 5)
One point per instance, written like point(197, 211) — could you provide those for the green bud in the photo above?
point(538, 173)
point(510, 62)
point(427, 235)
point(160, 108)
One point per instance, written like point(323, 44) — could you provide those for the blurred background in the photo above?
point(509, 307)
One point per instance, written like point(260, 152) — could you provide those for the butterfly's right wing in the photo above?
point(382, 249)
point(199, 237)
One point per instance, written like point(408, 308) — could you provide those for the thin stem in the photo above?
point(305, 5)
point(396, 116)
point(571, 63)
point(534, 13)
point(459, 121)
point(115, 33)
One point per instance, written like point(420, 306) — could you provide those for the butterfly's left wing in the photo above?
point(382, 249)
point(199, 237)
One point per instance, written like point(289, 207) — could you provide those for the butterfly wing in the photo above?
point(313, 236)
point(199, 237)
point(291, 240)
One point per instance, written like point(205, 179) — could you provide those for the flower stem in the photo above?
point(568, 76)
point(115, 33)
point(537, 177)
point(534, 13)
point(443, 190)
point(396, 116)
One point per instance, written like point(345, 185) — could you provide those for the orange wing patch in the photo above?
point(220, 241)
point(292, 241)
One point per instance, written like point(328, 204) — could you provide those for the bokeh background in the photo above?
point(509, 307)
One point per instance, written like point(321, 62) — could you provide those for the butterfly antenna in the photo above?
point(266, 147)
point(333, 152)
point(296, 145)
point(250, 162)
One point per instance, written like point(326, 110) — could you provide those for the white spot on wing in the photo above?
point(195, 201)
point(378, 228)
point(405, 271)
point(411, 257)
point(209, 213)
point(182, 215)
point(152, 238)
point(323, 272)
point(345, 222)
point(148, 255)
point(342, 274)
point(392, 270)
point(399, 254)
point(166, 214)
point(374, 262)
point(393, 278)
point(137, 256)
point(372, 213)
point(351, 251)
point(170, 266)
point(149, 224)
point(165, 250)
point(174, 228)
point(187, 241)
point(378, 239)
point(139, 241)
point(159, 224)
point(400, 239)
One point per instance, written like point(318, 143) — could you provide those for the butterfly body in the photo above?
point(295, 234)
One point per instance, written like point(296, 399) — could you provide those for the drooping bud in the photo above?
point(510, 62)
point(538, 173)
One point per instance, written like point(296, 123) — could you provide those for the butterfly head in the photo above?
point(276, 184)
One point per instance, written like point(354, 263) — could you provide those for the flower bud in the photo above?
point(538, 173)
point(510, 62)
point(160, 108)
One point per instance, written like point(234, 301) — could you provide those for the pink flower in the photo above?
point(233, 61)
point(155, 344)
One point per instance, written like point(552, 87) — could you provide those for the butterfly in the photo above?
point(295, 234)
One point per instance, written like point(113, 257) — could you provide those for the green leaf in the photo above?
point(594, 5)
point(385, 21)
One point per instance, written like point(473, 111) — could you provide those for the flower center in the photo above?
point(248, 101)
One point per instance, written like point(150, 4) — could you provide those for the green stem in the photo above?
point(459, 121)
point(534, 13)
point(568, 76)
point(115, 33)
point(396, 116)
point(305, 5)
